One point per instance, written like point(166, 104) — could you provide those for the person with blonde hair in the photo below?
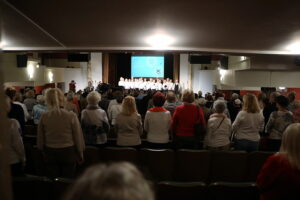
point(60, 137)
point(279, 177)
point(117, 181)
point(128, 124)
point(248, 124)
point(30, 101)
point(185, 118)
point(94, 121)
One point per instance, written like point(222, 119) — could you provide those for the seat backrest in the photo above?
point(32, 187)
point(255, 162)
point(228, 166)
point(157, 164)
point(117, 154)
point(181, 190)
point(233, 191)
point(60, 187)
point(91, 157)
point(38, 161)
point(192, 165)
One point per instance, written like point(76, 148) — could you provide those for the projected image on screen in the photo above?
point(147, 66)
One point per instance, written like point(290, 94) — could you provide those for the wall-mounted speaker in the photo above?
point(77, 57)
point(22, 60)
point(224, 62)
point(193, 59)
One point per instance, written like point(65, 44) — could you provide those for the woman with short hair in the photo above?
point(128, 124)
point(70, 106)
point(279, 177)
point(218, 129)
point(60, 137)
point(278, 122)
point(94, 121)
point(157, 123)
point(185, 118)
point(247, 125)
point(30, 101)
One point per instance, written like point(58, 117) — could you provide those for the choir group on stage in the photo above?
point(151, 84)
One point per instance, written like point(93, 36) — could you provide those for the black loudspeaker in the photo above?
point(200, 59)
point(22, 60)
point(224, 62)
point(76, 57)
point(297, 61)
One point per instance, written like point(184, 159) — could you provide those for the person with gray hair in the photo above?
point(218, 129)
point(116, 181)
point(39, 109)
point(69, 105)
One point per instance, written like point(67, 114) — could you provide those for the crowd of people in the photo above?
point(68, 122)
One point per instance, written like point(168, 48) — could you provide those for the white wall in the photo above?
point(203, 80)
point(96, 65)
point(185, 71)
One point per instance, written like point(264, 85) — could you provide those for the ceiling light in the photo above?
point(30, 70)
point(281, 88)
point(294, 47)
point(160, 41)
point(50, 76)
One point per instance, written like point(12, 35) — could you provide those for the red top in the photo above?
point(278, 180)
point(184, 119)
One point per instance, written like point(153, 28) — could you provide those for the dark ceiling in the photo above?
point(236, 26)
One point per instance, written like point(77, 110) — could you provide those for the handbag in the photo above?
point(199, 128)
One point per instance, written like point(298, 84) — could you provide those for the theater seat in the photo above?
point(32, 187)
point(157, 165)
point(233, 191)
point(181, 191)
point(192, 165)
point(228, 166)
point(117, 154)
point(255, 163)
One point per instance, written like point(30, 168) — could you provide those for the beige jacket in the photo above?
point(129, 129)
point(60, 129)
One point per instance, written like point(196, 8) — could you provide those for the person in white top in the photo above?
point(153, 85)
point(94, 121)
point(158, 85)
point(121, 82)
point(117, 94)
point(115, 110)
point(157, 123)
point(126, 84)
point(247, 125)
point(218, 129)
point(16, 152)
point(170, 85)
point(165, 85)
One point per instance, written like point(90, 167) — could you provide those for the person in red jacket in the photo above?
point(279, 177)
point(184, 119)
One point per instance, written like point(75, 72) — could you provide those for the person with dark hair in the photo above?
point(117, 181)
point(291, 97)
point(270, 106)
point(157, 123)
point(115, 109)
point(278, 122)
point(16, 111)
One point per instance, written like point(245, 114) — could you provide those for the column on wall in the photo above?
point(105, 67)
point(176, 63)
point(96, 66)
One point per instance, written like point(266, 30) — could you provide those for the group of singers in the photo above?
point(150, 84)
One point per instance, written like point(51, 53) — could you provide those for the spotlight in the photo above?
point(160, 41)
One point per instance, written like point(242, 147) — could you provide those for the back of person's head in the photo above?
point(117, 181)
point(171, 98)
point(219, 95)
point(273, 96)
point(209, 97)
point(188, 96)
point(292, 96)
point(196, 95)
point(158, 99)
point(70, 96)
point(7, 105)
point(250, 103)
point(54, 98)
point(30, 94)
point(297, 104)
point(18, 97)
point(219, 106)
point(200, 93)
point(129, 106)
point(202, 102)
point(10, 92)
point(234, 96)
point(261, 97)
point(40, 99)
point(282, 101)
point(290, 144)
point(93, 98)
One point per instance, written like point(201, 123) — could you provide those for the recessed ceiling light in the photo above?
point(160, 41)
point(294, 47)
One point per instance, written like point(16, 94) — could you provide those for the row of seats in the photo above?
point(170, 165)
point(36, 188)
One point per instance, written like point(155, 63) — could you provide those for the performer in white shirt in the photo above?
point(170, 85)
point(177, 87)
point(165, 85)
point(153, 85)
point(121, 82)
point(126, 84)
point(158, 85)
